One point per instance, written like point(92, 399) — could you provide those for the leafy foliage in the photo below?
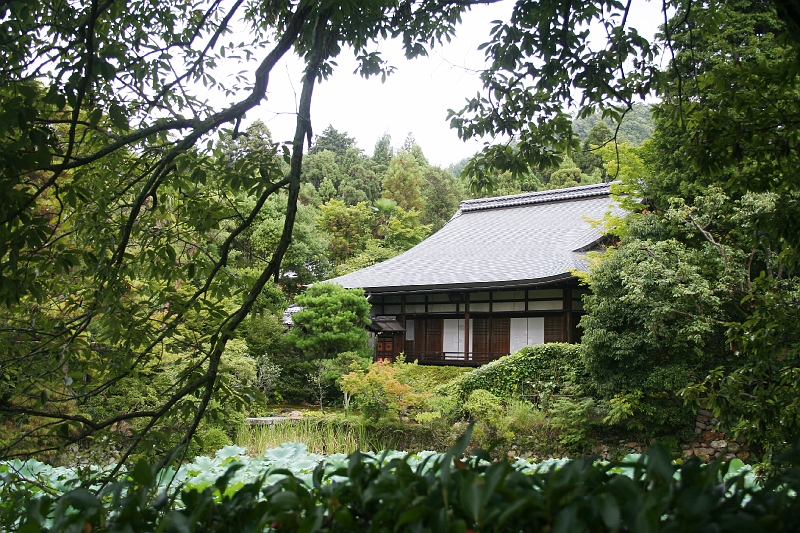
point(424, 378)
point(443, 193)
point(537, 60)
point(635, 128)
point(536, 399)
point(686, 289)
point(332, 321)
point(128, 193)
point(285, 491)
point(349, 227)
point(378, 391)
point(131, 199)
point(333, 141)
point(521, 373)
point(403, 182)
point(759, 396)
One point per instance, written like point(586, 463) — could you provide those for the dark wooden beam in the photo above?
point(466, 327)
point(568, 314)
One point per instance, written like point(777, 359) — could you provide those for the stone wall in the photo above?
point(709, 443)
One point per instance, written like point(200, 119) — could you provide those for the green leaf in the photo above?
point(567, 521)
point(118, 116)
point(609, 511)
point(95, 116)
point(143, 473)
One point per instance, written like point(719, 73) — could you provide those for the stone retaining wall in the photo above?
point(711, 444)
point(708, 444)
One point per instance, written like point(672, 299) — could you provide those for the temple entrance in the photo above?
point(385, 347)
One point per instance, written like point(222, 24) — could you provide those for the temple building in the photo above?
point(497, 277)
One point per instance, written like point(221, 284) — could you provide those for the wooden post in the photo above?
point(568, 315)
point(466, 327)
point(490, 324)
point(402, 336)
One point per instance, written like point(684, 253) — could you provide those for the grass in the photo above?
point(323, 436)
point(338, 434)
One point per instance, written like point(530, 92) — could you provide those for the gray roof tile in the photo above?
point(503, 241)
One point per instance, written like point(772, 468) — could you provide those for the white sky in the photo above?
point(414, 99)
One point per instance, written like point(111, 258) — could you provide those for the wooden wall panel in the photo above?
point(434, 339)
point(501, 336)
point(480, 337)
point(554, 328)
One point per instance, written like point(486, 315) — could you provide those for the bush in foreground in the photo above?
point(436, 493)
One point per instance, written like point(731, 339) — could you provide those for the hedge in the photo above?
point(551, 364)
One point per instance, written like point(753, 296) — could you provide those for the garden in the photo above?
point(152, 233)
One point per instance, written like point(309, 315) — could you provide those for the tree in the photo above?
point(327, 190)
point(456, 168)
point(332, 321)
point(744, 80)
point(360, 185)
point(623, 162)
point(382, 154)
point(416, 151)
point(635, 128)
point(403, 182)
point(405, 230)
point(443, 193)
point(254, 146)
point(352, 157)
point(333, 141)
point(656, 319)
point(588, 160)
point(321, 165)
point(305, 260)
point(116, 224)
point(349, 228)
point(376, 251)
point(567, 175)
point(409, 143)
point(724, 153)
point(506, 183)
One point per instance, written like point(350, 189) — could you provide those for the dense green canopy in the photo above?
point(139, 227)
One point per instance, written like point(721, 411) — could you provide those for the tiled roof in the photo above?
point(493, 242)
point(556, 195)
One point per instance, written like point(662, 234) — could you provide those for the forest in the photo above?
point(149, 245)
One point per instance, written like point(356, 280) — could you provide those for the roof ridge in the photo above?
point(554, 195)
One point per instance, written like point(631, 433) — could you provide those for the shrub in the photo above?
point(207, 440)
point(268, 375)
point(516, 423)
point(488, 411)
point(378, 392)
point(524, 418)
point(483, 405)
point(425, 378)
point(294, 387)
point(530, 372)
point(572, 418)
point(238, 364)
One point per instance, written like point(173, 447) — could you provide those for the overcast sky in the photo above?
point(414, 99)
